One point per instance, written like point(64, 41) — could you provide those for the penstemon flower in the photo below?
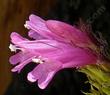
point(55, 46)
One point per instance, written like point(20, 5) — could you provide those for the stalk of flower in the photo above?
point(55, 46)
point(99, 74)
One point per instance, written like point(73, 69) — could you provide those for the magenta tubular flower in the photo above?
point(52, 29)
point(56, 46)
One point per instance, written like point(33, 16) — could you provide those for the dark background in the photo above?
point(12, 17)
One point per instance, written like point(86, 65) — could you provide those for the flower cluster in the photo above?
point(54, 46)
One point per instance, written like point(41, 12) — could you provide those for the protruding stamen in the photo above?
point(12, 48)
point(38, 60)
point(26, 26)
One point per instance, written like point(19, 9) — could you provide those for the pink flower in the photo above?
point(52, 29)
point(57, 45)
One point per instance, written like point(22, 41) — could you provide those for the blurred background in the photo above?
point(14, 13)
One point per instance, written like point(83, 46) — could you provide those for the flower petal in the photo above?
point(15, 38)
point(44, 73)
point(19, 67)
point(45, 80)
point(42, 46)
point(37, 24)
point(20, 57)
point(68, 32)
point(81, 58)
point(15, 58)
point(36, 19)
point(34, 35)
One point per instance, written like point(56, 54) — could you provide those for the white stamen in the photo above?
point(12, 48)
point(38, 60)
point(26, 26)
